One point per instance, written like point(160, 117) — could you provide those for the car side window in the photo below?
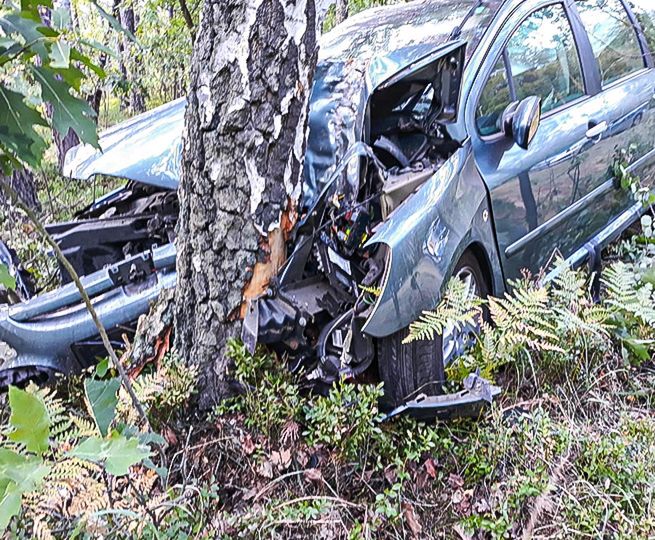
point(493, 101)
point(644, 10)
point(544, 59)
point(613, 38)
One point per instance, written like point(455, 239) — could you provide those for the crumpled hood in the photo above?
point(146, 148)
point(354, 58)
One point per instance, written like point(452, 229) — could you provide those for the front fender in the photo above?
point(425, 237)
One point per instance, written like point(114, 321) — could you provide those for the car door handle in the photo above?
point(596, 130)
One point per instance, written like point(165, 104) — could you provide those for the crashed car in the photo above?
point(467, 138)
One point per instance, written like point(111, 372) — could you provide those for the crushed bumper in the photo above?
point(469, 403)
point(43, 331)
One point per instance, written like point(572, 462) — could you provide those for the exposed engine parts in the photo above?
point(124, 223)
point(113, 246)
point(315, 313)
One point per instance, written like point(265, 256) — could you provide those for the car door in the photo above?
point(552, 197)
point(618, 38)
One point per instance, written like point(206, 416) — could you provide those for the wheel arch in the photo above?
point(480, 253)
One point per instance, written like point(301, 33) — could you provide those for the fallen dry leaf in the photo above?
point(315, 475)
point(281, 459)
point(412, 520)
point(266, 469)
point(248, 444)
point(455, 481)
point(170, 436)
point(429, 468)
point(302, 458)
point(390, 475)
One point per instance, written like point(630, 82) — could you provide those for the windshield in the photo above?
point(373, 46)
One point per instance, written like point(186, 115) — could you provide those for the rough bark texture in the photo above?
point(22, 182)
point(341, 11)
point(64, 144)
point(241, 168)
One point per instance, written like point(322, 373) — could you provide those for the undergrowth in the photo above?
point(566, 452)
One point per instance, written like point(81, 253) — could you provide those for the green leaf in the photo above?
point(102, 368)
point(638, 348)
point(113, 22)
point(68, 112)
point(60, 54)
point(18, 474)
point(10, 502)
point(85, 60)
point(61, 19)
point(17, 133)
point(6, 279)
point(71, 75)
point(6, 44)
point(96, 45)
point(32, 31)
point(102, 397)
point(117, 453)
point(29, 418)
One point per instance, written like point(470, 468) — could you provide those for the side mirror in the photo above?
point(521, 120)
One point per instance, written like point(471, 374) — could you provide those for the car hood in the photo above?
point(354, 59)
point(146, 148)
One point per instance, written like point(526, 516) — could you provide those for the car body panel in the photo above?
point(559, 193)
point(43, 329)
point(146, 148)
point(426, 236)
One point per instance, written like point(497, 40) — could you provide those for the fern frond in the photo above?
point(83, 427)
point(40, 530)
point(627, 295)
point(458, 308)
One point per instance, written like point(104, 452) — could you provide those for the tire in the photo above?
point(408, 370)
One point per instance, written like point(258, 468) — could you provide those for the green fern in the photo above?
point(459, 307)
point(627, 295)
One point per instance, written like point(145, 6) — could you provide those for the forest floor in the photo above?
point(565, 452)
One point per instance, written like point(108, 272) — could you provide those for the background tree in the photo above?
point(22, 181)
point(251, 75)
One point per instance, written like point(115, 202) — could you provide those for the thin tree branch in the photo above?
point(188, 19)
point(15, 198)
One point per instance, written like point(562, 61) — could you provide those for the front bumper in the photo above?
point(44, 330)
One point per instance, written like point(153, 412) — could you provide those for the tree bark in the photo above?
point(241, 168)
point(22, 182)
point(188, 19)
point(341, 11)
point(130, 60)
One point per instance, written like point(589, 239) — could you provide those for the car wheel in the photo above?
point(411, 369)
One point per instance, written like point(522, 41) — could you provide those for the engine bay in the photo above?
point(122, 224)
point(314, 313)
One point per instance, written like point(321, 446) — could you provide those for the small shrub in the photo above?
point(346, 419)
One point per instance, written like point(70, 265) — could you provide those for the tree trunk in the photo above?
point(63, 142)
point(130, 59)
point(241, 168)
point(22, 182)
point(341, 11)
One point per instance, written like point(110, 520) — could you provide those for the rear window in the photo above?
point(613, 38)
point(645, 12)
